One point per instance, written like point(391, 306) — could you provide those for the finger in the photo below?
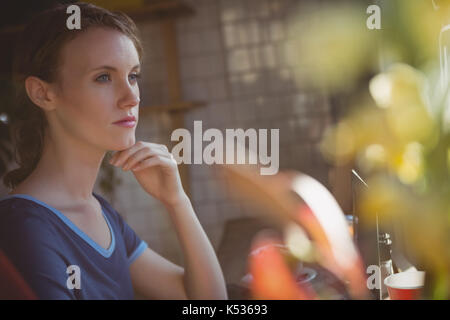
point(141, 155)
point(160, 146)
point(151, 162)
point(118, 155)
point(121, 156)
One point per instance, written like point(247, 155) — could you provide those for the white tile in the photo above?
point(139, 222)
point(280, 52)
point(254, 32)
point(276, 30)
point(207, 213)
point(301, 155)
point(239, 60)
point(248, 33)
point(258, 8)
point(245, 109)
point(286, 105)
point(156, 72)
point(181, 26)
point(242, 33)
point(230, 35)
point(269, 108)
point(285, 157)
point(250, 82)
point(278, 7)
point(208, 14)
point(197, 189)
point(217, 88)
point(255, 58)
point(231, 10)
point(268, 56)
point(300, 104)
point(215, 190)
point(214, 65)
point(221, 114)
point(291, 57)
point(254, 84)
point(188, 68)
point(229, 210)
point(193, 43)
point(194, 23)
point(281, 81)
point(211, 40)
point(153, 241)
point(196, 90)
point(236, 89)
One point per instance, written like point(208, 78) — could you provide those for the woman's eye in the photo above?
point(135, 76)
point(103, 78)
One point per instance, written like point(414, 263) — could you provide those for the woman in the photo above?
point(74, 88)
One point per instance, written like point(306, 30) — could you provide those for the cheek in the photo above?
point(88, 104)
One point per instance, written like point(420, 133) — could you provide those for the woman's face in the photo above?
point(97, 87)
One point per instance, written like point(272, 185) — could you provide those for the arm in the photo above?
point(156, 170)
point(156, 277)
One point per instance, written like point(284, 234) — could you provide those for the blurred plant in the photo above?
point(404, 149)
point(398, 136)
point(329, 45)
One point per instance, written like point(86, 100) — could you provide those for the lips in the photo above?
point(126, 119)
point(127, 122)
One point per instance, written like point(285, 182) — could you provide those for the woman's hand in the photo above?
point(155, 169)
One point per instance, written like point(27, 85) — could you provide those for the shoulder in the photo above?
point(18, 208)
point(27, 234)
point(29, 238)
point(24, 219)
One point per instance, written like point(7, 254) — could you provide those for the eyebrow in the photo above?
point(112, 68)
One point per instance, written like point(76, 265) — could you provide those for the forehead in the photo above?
point(96, 47)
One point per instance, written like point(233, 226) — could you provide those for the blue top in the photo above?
point(58, 260)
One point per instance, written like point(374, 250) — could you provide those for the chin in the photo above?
point(124, 142)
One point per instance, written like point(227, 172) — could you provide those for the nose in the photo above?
point(129, 97)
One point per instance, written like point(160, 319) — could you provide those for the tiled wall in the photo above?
point(232, 57)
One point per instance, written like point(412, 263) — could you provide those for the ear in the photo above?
point(40, 93)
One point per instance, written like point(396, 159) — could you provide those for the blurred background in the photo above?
point(314, 70)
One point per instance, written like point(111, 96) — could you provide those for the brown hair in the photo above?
point(37, 53)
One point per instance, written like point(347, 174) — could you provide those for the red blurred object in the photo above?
point(12, 285)
point(354, 274)
point(272, 279)
point(405, 285)
point(404, 294)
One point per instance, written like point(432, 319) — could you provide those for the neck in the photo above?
point(67, 169)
